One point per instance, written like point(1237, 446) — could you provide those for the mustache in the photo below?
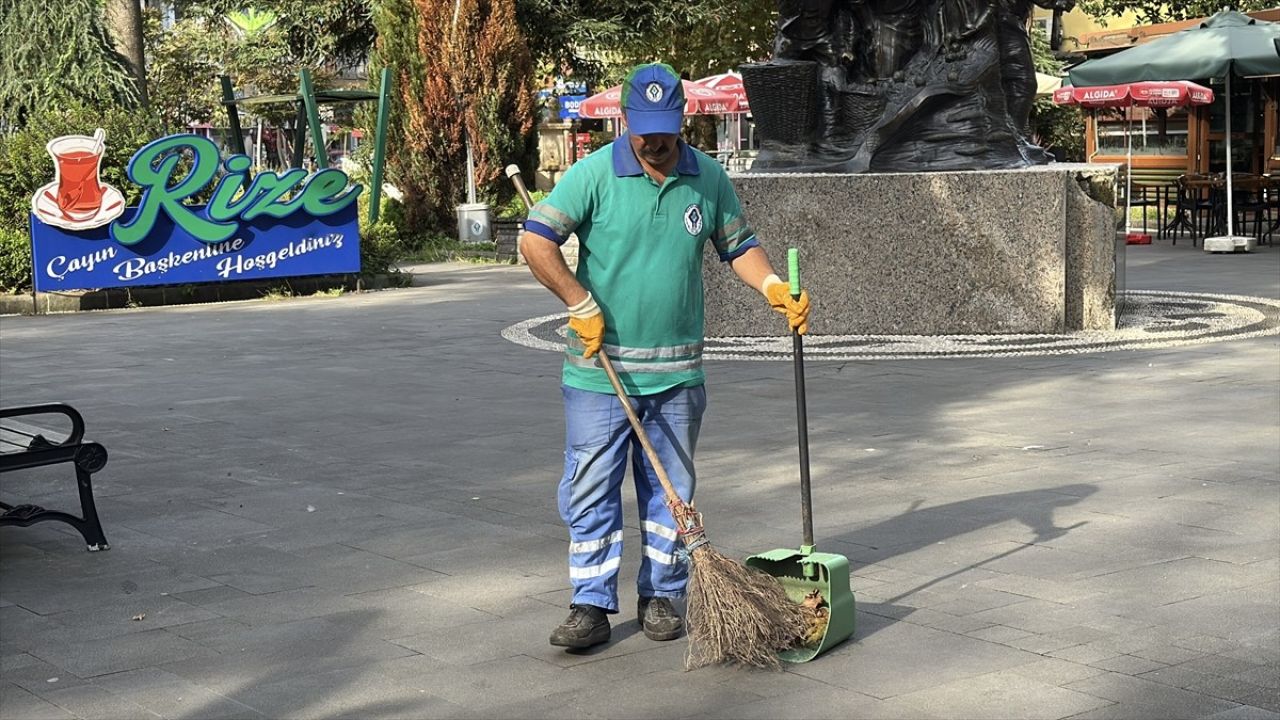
point(656, 150)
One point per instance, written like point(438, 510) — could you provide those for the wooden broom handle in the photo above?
point(672, 497)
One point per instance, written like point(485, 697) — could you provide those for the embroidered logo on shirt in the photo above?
point(693, 219)
point(653, 91)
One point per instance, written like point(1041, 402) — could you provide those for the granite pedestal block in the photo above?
point(1004, 251)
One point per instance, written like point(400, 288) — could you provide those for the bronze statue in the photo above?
point(1015, 56)
point(896, 85)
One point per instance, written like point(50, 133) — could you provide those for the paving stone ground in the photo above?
point(344, 507)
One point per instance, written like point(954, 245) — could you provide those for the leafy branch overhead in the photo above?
point(1150, 12)
point(596, 40)
point(51, 59)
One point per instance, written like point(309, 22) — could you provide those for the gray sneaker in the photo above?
point(587, 625)
point(659, 619)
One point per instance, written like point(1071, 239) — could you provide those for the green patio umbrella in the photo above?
point(1224, 45)
point(1228, 42)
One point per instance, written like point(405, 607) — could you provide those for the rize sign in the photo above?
point(275, 225)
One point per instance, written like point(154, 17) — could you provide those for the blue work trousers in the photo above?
point(598, 440)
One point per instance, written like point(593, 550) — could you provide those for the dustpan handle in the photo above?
point(802, 413)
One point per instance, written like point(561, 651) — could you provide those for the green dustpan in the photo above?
point(805, 570)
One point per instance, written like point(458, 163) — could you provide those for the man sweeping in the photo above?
point(642, 208)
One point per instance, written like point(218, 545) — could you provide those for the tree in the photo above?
point(124, 18)
point(1058, 128)
point(55, 55)
point(188, 58)
point(705, 47)
point(596, 40)
point(1150, 12)
point(332, 33)
point(474, 78)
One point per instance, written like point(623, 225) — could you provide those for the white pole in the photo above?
point(1128, 175)
point(1230, 208)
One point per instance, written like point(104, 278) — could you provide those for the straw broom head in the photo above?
point(736, 614)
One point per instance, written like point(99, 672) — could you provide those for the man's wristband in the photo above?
point(584, 309)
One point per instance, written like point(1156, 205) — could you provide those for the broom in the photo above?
point(736, 614)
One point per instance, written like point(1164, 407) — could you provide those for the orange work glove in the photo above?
point(587, 321)
point(778, 293)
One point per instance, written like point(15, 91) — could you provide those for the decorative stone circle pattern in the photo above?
point(1151, 320)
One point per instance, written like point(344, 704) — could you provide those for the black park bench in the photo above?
point(26, 444)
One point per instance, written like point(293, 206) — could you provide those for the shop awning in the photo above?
point(1228, 42)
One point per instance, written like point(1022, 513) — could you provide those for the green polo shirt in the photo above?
point(640, 254)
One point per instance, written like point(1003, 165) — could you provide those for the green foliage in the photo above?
point(385, 241)
point(315, 33)
point(600, 138)
point(729, 33)
point(54, 54)
point(183, 70)
point(187, 59)
point(514, 208)
point(1149, 12)
point(1058, 128)
point(397, 48)
point(597, 40)
point(481, 71)
point(25, 165)
point(379, 247)
point(15, 259)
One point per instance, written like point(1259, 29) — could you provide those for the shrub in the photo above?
point(25, 165)
point(379, 247)
point(514, 208)
point(15, 260)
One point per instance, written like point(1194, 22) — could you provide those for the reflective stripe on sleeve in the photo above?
point(547, 215)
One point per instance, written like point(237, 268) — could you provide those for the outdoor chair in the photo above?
point(1146, 196)
point(1193, 208)
point(1271, 193)
point(1249, 203)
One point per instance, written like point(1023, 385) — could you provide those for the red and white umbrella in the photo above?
point(1148, 93)
point(731, 83)
point(698, 100)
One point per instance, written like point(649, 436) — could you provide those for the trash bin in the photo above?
point(474, 223)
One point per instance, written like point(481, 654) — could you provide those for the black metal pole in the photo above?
point(299, 134)
point(802, 430)
point(233, 119)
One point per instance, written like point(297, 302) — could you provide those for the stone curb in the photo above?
point(41, 303)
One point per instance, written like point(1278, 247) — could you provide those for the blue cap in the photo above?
point(653, 100)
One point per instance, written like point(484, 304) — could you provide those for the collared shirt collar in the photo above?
point(626, 164)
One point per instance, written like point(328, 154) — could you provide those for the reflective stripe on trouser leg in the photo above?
point(672, 420)
point(590, 494)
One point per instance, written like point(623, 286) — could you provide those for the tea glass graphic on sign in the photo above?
point(77, 199)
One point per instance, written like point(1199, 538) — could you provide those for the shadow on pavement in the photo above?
point(1033, 508)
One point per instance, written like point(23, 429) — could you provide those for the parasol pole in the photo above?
point(1128, 175)
point(1230, 195)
